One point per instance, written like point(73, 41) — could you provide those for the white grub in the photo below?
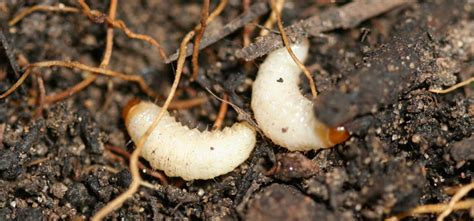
point(189, 153)
point(281, 111)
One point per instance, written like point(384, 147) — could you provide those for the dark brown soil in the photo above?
point(407, 144)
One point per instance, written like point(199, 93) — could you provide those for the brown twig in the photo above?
point(454, 87)
point(41, 97)
point(136, 178)
point(3, 73)
point(197, 39)
point(287, 44)
point(38, 161)
point(24, 13)
point(2, 132)
point(222, 112)
point(159, 175)
point(347, 16)
point(186, 104)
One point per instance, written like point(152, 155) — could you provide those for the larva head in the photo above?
point(337, 135)
point(129, 109)
point(330, 136)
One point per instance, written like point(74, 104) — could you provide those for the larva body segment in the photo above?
point(281, 111)
point(189, 153)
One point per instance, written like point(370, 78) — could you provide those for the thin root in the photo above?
point(160, 176)
point(16, 84)
point(50, 99)
point(108, 54)
point(442, 208)
point(247, 28)
point(286, 42)
point(98, 17)
point(455, 199)
point(109, 44)
point(24, 13)
point(242, 114)
point(108, 48)
point(433, 208)
point(73, 64)
point(222, 112)
point(211, 17)
point(454, 87)
point(451, 190)
point(271, 20)
point(136, 178)
point(197, 39)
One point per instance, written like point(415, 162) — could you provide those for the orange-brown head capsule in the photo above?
point(129, 107)
point(338, 135)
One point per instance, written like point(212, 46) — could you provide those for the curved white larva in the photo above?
point(189, 153)
point(281, 111)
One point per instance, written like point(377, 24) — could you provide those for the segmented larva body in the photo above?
point(188, 153)
point(282, 112)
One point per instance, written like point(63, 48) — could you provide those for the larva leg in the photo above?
point(188, 153)
point(282, 112)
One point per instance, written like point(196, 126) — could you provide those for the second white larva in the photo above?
point(189, 153)
point(281, 111)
